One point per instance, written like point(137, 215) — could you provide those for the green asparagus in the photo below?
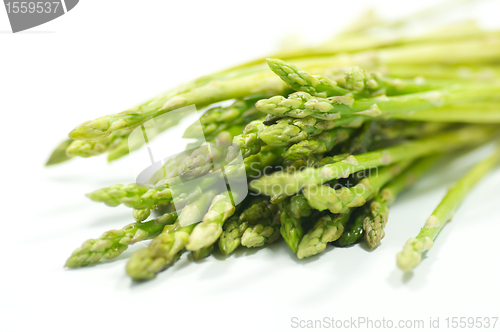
point(300, 134)
point(131, 195)
point(209, 230)
point(258, 235)
point(293, 212)
point(274, 185)
point(302, 104)
point(322, 143)
point(411, 255)
point(327, 229)
point(230, 238)
point(340, 200)
point(113, 243)
point(476, 50)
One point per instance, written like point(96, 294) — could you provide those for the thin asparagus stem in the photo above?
point(275, 184)
point(113, 243)
point(412, 252)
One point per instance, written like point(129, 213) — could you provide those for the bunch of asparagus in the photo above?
point(325, 148)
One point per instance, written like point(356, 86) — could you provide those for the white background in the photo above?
point(105, 56)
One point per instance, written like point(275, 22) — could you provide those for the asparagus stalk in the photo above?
point(377, 217)
point(264, 224)
point(359, 82)
point(361, 142)
point(117, 143)
point(302, 104)
point(289, 130)
point(230, 238)
point(260, 234)
point(327, 229)
point(411, 255)
point(131, 195)
point(293, 212)
point(300, 80)
point(368, 84)
point(322, 143)
point(167, 247)
point(141, 214)
point(209, 230)
point(274, 185)
point(340, 200)
point(464, 112)
point(260, 211)
point(477, 50)
point(86, 149)
point(111, 244)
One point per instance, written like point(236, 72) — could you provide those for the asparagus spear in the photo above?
point(274, 185)
point(131, 195)
point(327, 229)
point(411, 255)
point(260, 234)
point(300, 80)
point(340, 200)
point(264, 224)
point(377, 216)
point(260, 211)
point(287, 130)
point(167, 247)
point(302, 104)
point(353, 230)
point(111, 244)
point(293, 212)
point(117, 144)
point(209, 230)
point(322, 143)
point(371, 84)
point(230, 238)
point(476, 50)
point(59, 154)
point(141, 214)
point(358, 81)
point(86, 149)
